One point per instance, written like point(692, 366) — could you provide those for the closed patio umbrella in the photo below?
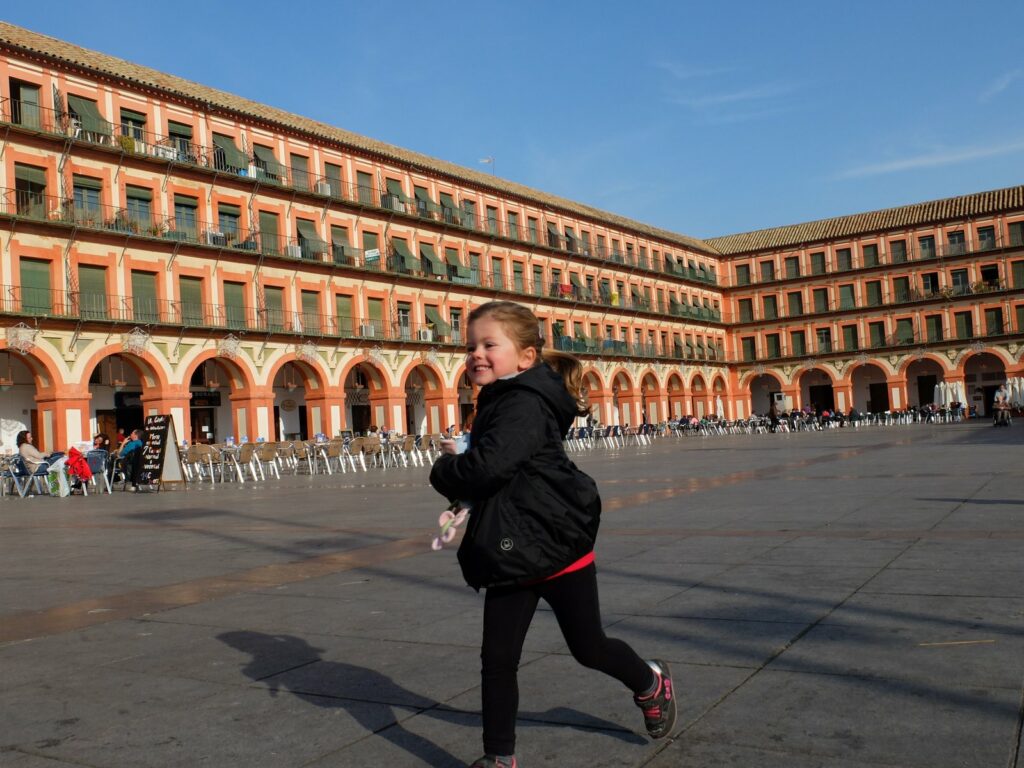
point(718, 407)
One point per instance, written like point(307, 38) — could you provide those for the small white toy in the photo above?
point(450, 520)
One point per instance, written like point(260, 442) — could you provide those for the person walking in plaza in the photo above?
point(533, 522)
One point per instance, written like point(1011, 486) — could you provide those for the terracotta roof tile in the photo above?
point(952, 208)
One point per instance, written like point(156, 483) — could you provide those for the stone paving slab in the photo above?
point(845, 599)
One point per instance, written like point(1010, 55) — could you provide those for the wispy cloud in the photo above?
point(742, 95)
point(681, 71)
point(1000, 84)
point(933, 160)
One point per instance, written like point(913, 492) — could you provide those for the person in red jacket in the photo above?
point(534, 517)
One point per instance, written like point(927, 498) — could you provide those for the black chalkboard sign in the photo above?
point(161, 462)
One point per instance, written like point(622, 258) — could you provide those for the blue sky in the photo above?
point(703, 118)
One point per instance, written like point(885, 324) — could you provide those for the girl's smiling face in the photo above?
point(491, 353)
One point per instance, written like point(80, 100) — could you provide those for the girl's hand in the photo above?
point(449, 447)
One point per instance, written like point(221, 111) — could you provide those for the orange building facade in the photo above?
point(169, 248)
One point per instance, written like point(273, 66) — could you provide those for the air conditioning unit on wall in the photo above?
point(323, 188)
point(367, 330)
point(294, 251)
point(425, 334)
point(215, 238)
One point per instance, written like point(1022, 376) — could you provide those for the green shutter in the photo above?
point(130, 115)
point(375, 311)
point(87, 182)
point(227, 209)
point(179, 129)
point(1017, 270)
point(268, 233)
point(233, 156)
point(799, 342)
point(437, 267)
point(30, 174)
point(310, 240)
point(849, 338)
point(343, 314)
point(404, 255)
point(451, 255)
point(964, 324)
point(35, 286)
point(904, 331)
point(934, 325)
point(273, 303)
point(310, 311)
point(92, 292)
point(846, 300)
point(89, 114)
point(434, 318)
point(333, 174)
point(266, 156)
point(191, 291)
point(144, 302)
point(874, 293)
point(234, 304)
point(138, 193)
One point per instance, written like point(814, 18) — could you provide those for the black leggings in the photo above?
point(507, 615)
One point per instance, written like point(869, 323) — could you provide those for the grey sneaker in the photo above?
point(493, 761)
point(659, 708)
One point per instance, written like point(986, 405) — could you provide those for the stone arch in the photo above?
point(870, 389)
point(761, 389)
point(922, 375)
point(652, 405)
point(983, 371)
point(24, 377)
point(903, 367)
point(700, 396)
point(314, 375)
point(241, 376)
point(816, 386)
point(676, 392)
point(152, 371)
point(424, 391)
point(207, 416)
point(370, 400)
point(45, 373)
point(625, 399)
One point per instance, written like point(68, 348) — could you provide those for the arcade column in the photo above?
point(63, 416)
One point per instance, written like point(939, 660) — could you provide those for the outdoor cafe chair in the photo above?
point(98, 461)
point(246, 460)
point(354, 451)
point(373, 448)
point(24, 480)
point(268, 458)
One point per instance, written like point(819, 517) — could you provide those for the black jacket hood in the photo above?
point(543, 380)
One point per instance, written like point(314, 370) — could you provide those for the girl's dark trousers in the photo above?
point(507, 615)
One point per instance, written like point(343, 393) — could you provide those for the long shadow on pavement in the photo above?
point(354, 683)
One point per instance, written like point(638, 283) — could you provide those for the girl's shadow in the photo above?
point(281, 661)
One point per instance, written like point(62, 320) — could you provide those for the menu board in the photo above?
point(160, 458)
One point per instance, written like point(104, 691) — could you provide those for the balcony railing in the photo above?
point(889, 299)
point(149, 311)
point(914, 254)
point(136, 141)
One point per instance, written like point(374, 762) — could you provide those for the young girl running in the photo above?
point(533, 523)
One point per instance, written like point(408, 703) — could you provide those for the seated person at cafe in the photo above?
point(33, 456)
point(130, 455)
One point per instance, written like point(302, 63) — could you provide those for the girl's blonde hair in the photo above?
point(523, 327)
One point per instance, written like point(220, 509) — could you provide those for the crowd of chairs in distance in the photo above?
point(255, 462)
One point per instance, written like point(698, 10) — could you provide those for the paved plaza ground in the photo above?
point(847, 598)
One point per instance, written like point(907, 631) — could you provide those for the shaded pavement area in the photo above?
point(848, 598)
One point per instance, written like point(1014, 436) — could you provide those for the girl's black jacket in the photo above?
point(533, 512)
